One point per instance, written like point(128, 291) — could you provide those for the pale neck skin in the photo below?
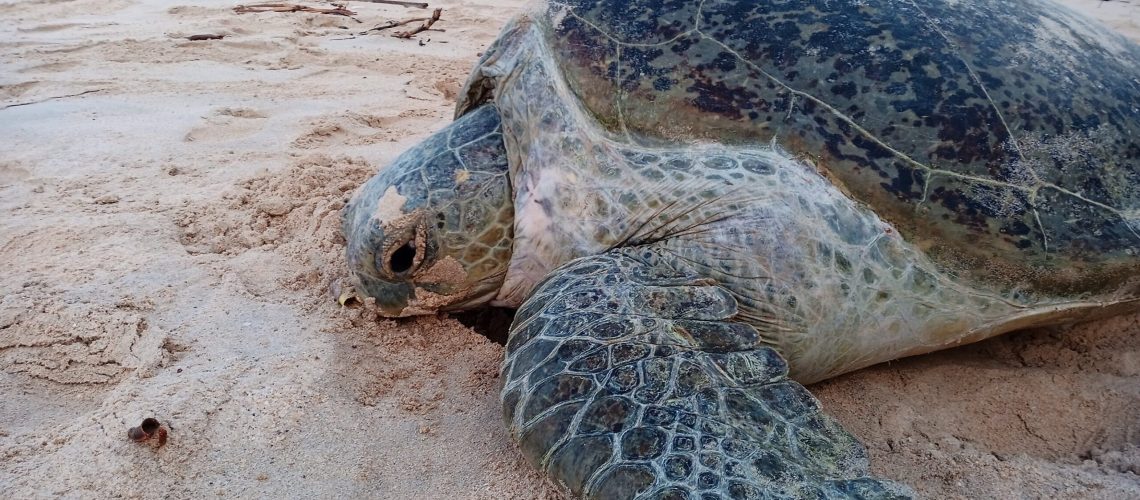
point(832, 286)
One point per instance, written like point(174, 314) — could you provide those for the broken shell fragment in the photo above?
point(345, 294)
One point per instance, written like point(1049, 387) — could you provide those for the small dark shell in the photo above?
point(149, 428)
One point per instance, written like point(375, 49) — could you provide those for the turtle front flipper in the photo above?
point(625, 378)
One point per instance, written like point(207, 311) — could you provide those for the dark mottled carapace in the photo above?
point(1001, 136)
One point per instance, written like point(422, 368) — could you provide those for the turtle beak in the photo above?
point(444, 204)
point(391, 298)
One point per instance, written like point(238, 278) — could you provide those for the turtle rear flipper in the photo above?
point(625, 378)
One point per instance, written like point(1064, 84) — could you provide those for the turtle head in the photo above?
point(432, 231)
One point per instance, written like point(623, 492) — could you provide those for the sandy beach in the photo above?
point(169, 229)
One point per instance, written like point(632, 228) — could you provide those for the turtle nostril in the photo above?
point(403, 258)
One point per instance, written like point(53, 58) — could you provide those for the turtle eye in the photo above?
point(403, 258)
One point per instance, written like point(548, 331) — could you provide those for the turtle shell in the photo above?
point(1000, 136)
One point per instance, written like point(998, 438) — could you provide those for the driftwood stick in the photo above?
point(423, 27)
point(417, 5)
point(205, 36)
point(337, 10)
point(393, 24)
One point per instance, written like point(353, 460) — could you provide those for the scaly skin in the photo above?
point(627, 377)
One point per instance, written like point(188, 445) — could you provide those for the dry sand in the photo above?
point(167, 239)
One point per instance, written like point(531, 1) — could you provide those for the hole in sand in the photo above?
point(492, 322)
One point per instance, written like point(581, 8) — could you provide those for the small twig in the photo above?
point(393, 24)
point(337, 10)
point(423, 27)
point(205, 36)
point(50, 99)
point(417, 5)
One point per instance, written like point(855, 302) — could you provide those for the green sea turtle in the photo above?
point(698, 206)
